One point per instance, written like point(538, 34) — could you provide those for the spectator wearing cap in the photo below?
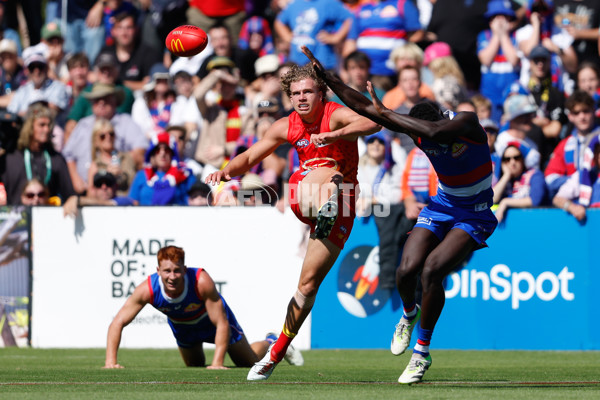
point(224, 46)
point(134, 58)
point(56, 56)
point(153, 111)
point(568, 156)
point(162, 181)
point(550, 100)
point(497, 52)
point(541, 31)
point(221, 103)
point(491, 130)
point(200, 194)
point(267, 81)
point(519, 111)
point(128, 136)
point(105, 71)
point(406, 55)
point(39, 87)
point(448, 79)
point(377, 28)
point(103, 192)
point(35, 157)
point(252, 191)
point(12, 74)
point(518, 187)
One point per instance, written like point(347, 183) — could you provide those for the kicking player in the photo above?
point(321, 192)
point(196, 313)
point(457, 221)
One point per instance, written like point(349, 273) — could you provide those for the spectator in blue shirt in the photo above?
point(497, 51)
point(319, 25)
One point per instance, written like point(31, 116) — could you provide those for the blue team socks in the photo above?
point(271, 338)
point(422, 346)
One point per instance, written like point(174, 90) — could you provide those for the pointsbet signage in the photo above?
point(540, 266)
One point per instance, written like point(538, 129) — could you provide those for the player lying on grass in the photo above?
point(196, 313)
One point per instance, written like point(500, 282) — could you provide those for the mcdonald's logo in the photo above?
point(177, 46)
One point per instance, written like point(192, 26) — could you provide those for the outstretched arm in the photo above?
point(346, 124)
point(134, 304)
point(274, 136)
point(443, 131)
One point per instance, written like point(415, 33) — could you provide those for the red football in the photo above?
point(186, 41)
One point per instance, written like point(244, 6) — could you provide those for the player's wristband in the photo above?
point(566, 205)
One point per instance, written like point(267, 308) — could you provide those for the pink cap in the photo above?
point(436, 50)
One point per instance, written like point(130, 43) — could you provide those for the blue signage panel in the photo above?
point(531, 289)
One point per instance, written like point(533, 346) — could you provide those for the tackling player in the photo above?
point(457, 220)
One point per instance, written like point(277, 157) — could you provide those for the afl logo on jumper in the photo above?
point(302, 143)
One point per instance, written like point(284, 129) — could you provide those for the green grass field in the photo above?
point(327, 374)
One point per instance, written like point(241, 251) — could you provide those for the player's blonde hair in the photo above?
point(172, 253)
point(296, 74)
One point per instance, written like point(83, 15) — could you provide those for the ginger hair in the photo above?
point(172, 253)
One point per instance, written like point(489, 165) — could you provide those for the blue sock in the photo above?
point(271, 338)
point(422, 346)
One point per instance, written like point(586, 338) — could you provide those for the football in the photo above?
point(186, 41)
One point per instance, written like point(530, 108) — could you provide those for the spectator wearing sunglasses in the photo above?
point(105, 156)
point(34, 193)
point(103, 192)
point(518, 186)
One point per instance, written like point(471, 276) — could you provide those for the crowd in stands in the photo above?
point(96, 111)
